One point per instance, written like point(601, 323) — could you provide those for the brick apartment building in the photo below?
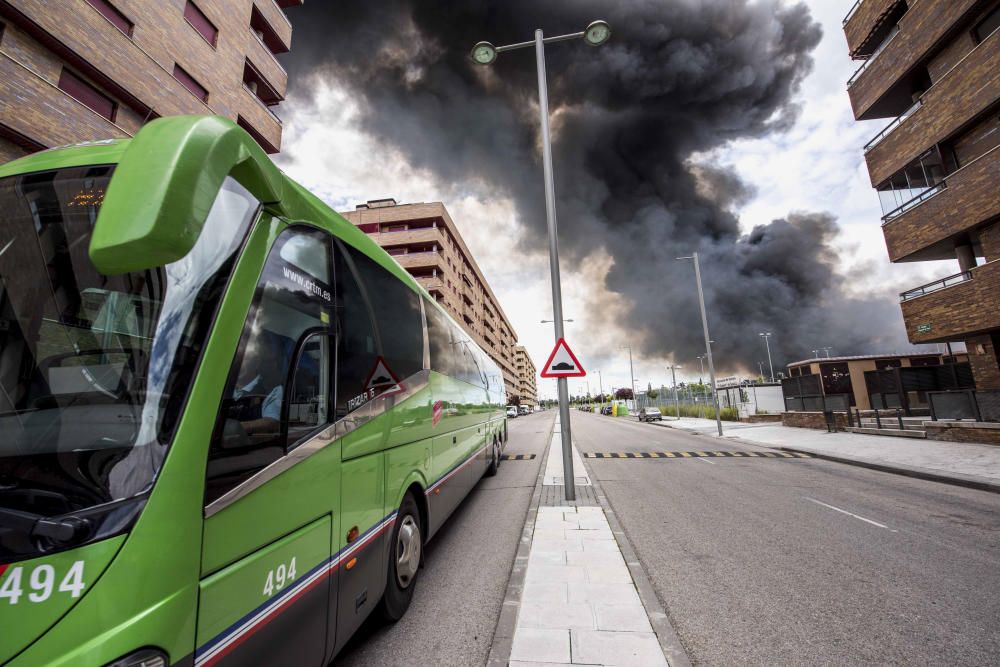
point(424, 240)
point(527, 384)
point(79, 70)
point(933, 67)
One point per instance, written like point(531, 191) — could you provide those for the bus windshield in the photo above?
point(94, 369)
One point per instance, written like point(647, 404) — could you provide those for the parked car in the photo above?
point(511, 411)
point(650, 414)
point(607, 410)
point(524, 410)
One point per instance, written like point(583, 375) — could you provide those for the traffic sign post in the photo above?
point(562, 363)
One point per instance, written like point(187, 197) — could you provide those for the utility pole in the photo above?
point(673, 378)
point(631, 371)
point(766, 336)
point(708, 341)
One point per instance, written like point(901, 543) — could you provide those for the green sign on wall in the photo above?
point(923, 328)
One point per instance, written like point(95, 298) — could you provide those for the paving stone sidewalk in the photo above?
point(579, 604)
point(962, 462)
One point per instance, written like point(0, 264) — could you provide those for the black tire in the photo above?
point(399, 589)
point(494, 459)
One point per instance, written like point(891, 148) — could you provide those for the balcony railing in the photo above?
point(919, 199)
point(853, 11)
point(956, 279)
point(877, 139)
point(873, 56)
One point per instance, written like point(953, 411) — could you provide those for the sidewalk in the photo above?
point(579, 604)
point(965, 464)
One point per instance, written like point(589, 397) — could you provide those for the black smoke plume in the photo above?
point(678, 79)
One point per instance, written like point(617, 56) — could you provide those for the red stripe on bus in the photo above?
point(3, 568)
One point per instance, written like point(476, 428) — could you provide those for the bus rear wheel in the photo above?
point(405, 552)
point(494, 459)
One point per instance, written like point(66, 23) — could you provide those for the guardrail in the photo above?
point(873, 56)
point(887, 130)
point(956, 279)
point(852, 12)
point(919, 199)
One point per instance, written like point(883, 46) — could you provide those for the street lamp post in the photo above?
point(708, 341)
point(766, 336)
point(631, 371)
point(485, 53)
point(673, 378)
point(600, 382)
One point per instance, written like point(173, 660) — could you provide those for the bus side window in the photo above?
point(357, 351)
point(309, 389)
point(293, 301)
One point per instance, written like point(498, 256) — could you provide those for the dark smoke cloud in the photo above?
point(678, 79)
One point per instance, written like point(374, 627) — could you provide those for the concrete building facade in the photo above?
point(527, 383)
point(933, 67)
point(80, 70)
point(425, 241)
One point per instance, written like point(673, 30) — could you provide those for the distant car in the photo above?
point(607, 410)
point(650, 414)
point(511, 411)
point(523, 410)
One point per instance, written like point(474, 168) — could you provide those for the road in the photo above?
point(466, 566)
point(801, 561)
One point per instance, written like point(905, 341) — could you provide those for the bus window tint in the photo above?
point(439, 334)
point(294, 299)
point(357, 351)
point(396, 309)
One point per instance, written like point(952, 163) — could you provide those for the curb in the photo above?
point(670, 643)
point(954, 479)
point(503, 634)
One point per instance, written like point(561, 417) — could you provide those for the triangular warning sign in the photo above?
point(382, 381)
point(562, 363)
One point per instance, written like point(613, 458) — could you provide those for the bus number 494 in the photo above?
point(279, 578)
point(41, 583)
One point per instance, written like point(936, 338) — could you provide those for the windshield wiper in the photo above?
point(61, 530)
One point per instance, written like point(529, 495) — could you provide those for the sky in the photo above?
point(805, 172)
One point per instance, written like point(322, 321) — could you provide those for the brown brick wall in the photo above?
point(814, 420)
point(143, 64)
point(950, 55)
point(9, 151)
point(958, 311)
point(985, 365)
point(967, 90)
point(969, 199)
point(990, 237)
point(921, 28)
point(956, 432)
point(863, 20)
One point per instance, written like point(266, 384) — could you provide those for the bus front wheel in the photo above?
point(404, 560)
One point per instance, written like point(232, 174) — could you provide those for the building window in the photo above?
point(258, 85)
point(190, 83)
point(200, 22)
point(986, 27)
point(87, 95)
point(111, 13)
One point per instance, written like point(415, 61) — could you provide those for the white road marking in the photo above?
point(706, 460)
point(6, 247)
point(837, 509)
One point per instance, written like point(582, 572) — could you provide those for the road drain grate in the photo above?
point(694, 455)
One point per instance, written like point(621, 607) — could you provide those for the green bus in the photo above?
point(229, 421)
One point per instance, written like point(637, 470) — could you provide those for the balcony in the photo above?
point(56, 119)
point(276, 19)
point(419, 260)
point(879, 91)
point(261, 119)
point(956, 99)
point(266, 66)
point(954, 308)
point(862, 21)
point(926, 228)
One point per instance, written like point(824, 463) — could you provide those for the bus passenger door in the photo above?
point(272, 487)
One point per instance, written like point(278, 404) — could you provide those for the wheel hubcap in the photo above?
point(407, 551)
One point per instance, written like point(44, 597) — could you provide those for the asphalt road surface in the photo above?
point(762, 561)
point(461, 587)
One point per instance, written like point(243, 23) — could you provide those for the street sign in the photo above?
point(923, 328)
point(562, 363)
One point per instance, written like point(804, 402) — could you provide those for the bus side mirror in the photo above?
point(165, 184)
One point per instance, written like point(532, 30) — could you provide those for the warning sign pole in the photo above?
point(550, 218)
